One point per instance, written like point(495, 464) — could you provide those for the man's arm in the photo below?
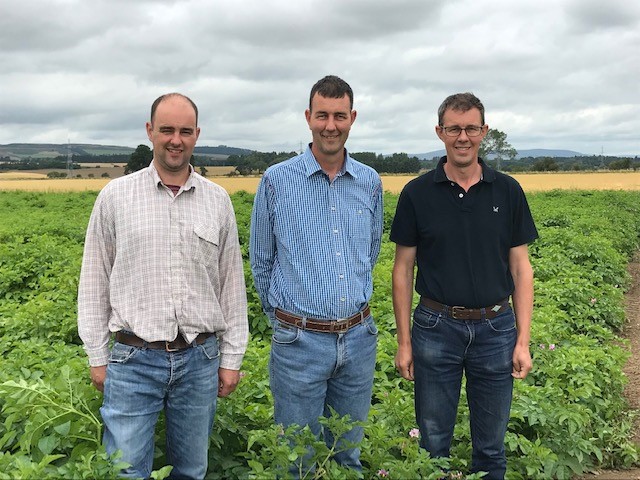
point(233, 296)
point(377, 224)
point(402, 301)
point(262, 245)
point(522, 297)
point(94, 307)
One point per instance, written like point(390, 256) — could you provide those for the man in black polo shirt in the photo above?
point(468, 227)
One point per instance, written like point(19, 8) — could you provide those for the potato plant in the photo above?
point(568, 416)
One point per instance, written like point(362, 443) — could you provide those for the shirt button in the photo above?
point(338, 253)
point(341, 276)
point(342, 299)
point(333, 208)
point(461, 195)
point(335, 230)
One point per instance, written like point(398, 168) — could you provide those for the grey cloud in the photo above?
point(551, 73)
point(593, 15)
point(329, 25)
point(32, 25)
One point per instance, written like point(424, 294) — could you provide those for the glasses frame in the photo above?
point(446, 130)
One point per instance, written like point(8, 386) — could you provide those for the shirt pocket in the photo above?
point(207, 238)
point(359, 222)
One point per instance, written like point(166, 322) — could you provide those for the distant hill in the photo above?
point(221, 150)
point(534, 152)
point(543, 152)
point(19, 151)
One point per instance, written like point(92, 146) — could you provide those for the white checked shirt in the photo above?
point(158, 264)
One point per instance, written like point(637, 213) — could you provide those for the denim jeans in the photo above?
point(312, 371)
point(142, 382)
point(443, 348)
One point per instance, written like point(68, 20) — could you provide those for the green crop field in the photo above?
point(568, 416)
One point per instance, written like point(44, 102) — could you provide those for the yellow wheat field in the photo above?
point(231, 184)
point(22, 176)
point(530, 182)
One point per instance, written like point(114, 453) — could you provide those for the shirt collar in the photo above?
point(188, 185)
point(312, 166)
point(488, 173)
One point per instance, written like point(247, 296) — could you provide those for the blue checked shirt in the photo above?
point(314, 242)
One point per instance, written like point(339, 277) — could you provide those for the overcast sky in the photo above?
point(551, 73)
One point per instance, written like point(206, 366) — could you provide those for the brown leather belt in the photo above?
point(462, 313)
point(319, 325)
point(178, 344)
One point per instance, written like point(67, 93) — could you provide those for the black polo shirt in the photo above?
point(463, 238)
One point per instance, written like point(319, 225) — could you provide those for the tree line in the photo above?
point(568, 164)
point(258, 162)
point(255, 163)
point(495, 149)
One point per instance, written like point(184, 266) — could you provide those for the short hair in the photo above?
point(332, 87)
point(161, 98)
point(462, 102)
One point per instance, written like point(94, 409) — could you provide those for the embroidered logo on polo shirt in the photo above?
point(495, 209)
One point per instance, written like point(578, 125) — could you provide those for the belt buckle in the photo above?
point(167, 347)
point(340, 326)
point(455, 311)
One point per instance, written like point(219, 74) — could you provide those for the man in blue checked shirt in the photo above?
point(316, 228)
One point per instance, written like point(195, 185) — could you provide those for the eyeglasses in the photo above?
point(471, 130)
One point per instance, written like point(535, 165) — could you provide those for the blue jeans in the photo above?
point(140, 383)
point(442, 349)
point(312, 371)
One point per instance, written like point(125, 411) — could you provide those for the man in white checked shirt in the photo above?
point(162, 273)
point(315, 236)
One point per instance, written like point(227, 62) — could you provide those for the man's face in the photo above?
point(173, 134)
point(330, 120)
point(462, 150)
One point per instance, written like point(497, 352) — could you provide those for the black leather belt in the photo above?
point(179, 343)
point(318, 325)
point(463, 313)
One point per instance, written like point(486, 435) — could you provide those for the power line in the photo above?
point(69, 159)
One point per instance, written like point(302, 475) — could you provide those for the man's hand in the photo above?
point(98, 376)
point(522, 363)
point(227, 381)
point(404, 362)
